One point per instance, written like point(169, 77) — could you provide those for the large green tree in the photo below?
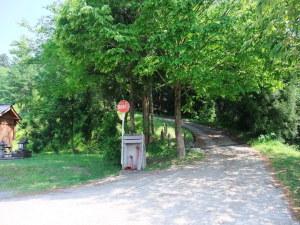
point(216, 48)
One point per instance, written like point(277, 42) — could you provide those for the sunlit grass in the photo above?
point(166, 157)
point(159, 124)
point(162, 154)
point(285, 160)
point(50, 171)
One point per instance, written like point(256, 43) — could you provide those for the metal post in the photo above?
point(122, 142)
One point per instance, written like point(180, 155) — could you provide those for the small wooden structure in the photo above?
point(9, 118)
point(133, 156)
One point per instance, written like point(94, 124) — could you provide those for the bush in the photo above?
point(267, 137)
point(264, 113)
point(107, 137)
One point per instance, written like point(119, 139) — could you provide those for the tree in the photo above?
point(117, 52)
point(205, 46)
point(4, 60)
point(273, 42)
point(214, 48)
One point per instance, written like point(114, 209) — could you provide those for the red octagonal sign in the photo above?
point(123, 106)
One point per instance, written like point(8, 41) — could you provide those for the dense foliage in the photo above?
point(235, 62)
point(263, 113)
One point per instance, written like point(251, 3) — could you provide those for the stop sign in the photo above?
point(123, 106)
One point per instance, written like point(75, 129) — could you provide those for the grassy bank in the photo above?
point(162, 156)
point(285, 160)
point(159, 124)
point(161, 153)
point(50, 171)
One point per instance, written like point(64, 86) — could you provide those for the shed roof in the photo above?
point(4, 108)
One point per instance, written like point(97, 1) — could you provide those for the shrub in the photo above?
point(107, 136)
point(264, 113)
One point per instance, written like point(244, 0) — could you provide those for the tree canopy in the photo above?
point(90, 54)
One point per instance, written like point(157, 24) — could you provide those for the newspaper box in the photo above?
point(133, 155)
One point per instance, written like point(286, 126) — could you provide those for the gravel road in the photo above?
point(231, 186)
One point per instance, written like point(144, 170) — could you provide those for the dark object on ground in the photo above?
point(22, 152)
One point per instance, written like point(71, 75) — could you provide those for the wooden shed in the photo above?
point(8, 121)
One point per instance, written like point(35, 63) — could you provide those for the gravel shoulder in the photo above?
point(231, 186)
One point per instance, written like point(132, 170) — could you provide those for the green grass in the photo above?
point(162, 154)
point(45, 171)
point(285, 160)
point(159, 124)
point(49, 171)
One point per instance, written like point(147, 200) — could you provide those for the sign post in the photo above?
point(123, 107)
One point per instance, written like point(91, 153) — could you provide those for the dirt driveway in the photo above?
point(231, 186)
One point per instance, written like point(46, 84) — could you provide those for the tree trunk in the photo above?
point(160, 104)
point(151, 111)
point(72, 125)
point(178, 122)
point(132, 107)
point(146, 114)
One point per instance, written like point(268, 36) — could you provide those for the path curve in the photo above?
point(231, 186)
